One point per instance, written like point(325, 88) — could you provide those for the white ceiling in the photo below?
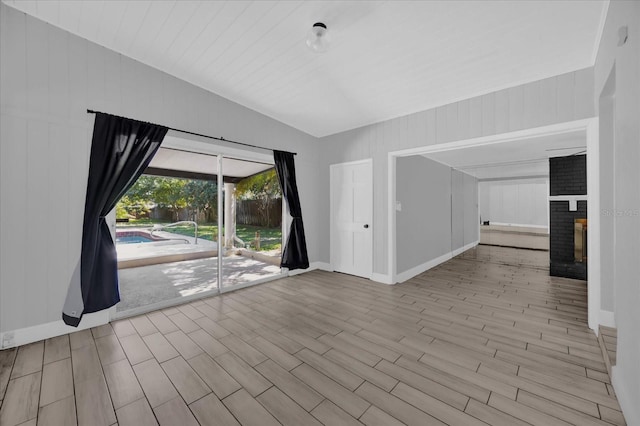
point(174, 159)
point(387, 59)
point(520, 158)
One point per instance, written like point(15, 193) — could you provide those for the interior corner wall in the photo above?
point(439, 211)
point(470, 206)
point(457, 210)
point(517, 202)
point(558, 99)
point(48, 79)
point(625, 206)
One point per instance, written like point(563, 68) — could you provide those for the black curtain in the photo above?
point(121, 150)
point(294, 255)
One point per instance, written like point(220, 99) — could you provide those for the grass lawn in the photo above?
point(270, 238)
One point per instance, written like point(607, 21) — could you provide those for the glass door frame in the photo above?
point(197, 144)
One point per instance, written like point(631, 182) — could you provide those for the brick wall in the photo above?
point(561, 248)
point(567, 176)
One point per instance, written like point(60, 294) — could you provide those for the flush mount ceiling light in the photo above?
point(318, 40)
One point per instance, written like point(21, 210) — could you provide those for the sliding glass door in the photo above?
point(167, 233)
point(196, 224)
point(252, 223)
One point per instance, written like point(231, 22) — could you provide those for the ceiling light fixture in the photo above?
point(318, 40)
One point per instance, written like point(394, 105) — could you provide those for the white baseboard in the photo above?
point(629, 404)
point(518, 225)
point(417, 270)
point(323, 266)
point(382, 278)
point(464, 248)
point(23, 336)
point(607, 319)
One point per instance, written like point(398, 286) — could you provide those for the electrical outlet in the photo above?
point(398, 206)
point(7, 339)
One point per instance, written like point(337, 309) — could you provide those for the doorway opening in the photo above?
point(587, 128)
point(196, 224)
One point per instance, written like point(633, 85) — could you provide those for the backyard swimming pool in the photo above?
point(133, 239)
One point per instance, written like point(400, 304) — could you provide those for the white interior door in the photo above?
point(351, 217)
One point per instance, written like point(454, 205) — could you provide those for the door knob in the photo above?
point(366, 226)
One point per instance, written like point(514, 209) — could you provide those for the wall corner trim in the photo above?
point(607, 319)
point(464, 248)
point(382, 278)
point(417, 270)
point(622, 387)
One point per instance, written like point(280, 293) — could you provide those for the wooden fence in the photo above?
point(255, 212)
point(248, 212)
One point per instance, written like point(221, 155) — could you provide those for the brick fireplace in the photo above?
point(568, 216)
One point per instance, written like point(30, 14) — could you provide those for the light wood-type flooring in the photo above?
point(486, 338)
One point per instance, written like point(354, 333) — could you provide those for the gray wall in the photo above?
point(557, 99)
point(625, 205)
point(439, 211)
point(423, 227)
point(515, 201)
point(48, 79)
point(457, 209)
point(471, 222)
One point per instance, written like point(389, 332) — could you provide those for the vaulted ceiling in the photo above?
point(386, 59)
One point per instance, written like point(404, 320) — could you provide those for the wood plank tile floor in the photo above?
point(486, 338)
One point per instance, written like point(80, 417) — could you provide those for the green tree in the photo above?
point(174, 194)
point(202, 196)
point(169, 193)
point(262, 187)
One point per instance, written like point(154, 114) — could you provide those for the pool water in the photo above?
point(133, 239)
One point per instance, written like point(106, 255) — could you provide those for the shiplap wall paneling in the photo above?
point(516, 108)
point(37, 69)
point(14, 73)
point(49, 78)
point(565, 97)
point(519, 202)
point(475, 112)
point(78, 72)
point(112, 82)
point(58, 72)
point(558, 99)
point(96, 77)
point(457, 209)
point(464, 120)
point(471, 219)
point(532, 116)
point(59, 245)
point(14, 249)
point(510, 210)
point(548, 100)
point(453, 122)
point(489, 114)
point(39, 220)
point(501, 116)
point(583, 94)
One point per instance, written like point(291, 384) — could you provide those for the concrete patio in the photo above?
point(156, 272)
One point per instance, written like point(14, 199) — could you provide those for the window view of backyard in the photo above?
point(167, 235)
point(157, 200)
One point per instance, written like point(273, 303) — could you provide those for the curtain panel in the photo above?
point(121, 149)
point(294, 255)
